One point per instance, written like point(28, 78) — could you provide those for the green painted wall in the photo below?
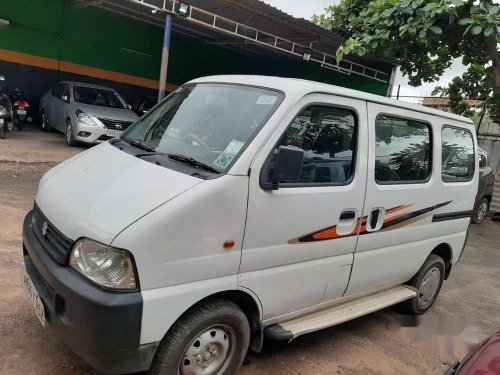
point(85, 35)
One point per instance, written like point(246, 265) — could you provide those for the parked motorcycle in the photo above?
point(20, 108)
point(5, 111)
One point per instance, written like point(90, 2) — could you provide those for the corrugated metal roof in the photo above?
point(252, 13)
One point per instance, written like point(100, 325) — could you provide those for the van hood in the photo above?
point(119, 114)
point(103, 190)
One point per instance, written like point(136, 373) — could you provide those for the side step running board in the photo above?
point(338, 314)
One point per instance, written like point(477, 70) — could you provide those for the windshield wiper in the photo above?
point(139, 144)
point(193, 162)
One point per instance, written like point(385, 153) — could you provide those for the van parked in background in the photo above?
point(484, 194)
point(245, 207)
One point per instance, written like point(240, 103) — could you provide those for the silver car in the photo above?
point(85, 113)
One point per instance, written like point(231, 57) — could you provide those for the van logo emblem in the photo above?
point(45, 229)
point(118, 125)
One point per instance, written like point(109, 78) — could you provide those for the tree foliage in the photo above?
point(424, 37)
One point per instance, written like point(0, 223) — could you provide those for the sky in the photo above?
point(307, 8)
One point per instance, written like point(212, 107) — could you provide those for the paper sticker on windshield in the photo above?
point(223, 160)
point(234, 147)
point(266, 100)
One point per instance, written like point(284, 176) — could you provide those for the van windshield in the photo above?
point(209, 123)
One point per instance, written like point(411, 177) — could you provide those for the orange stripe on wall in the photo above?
point(63, 66)
point(22, 58)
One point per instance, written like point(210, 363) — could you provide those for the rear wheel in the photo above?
point(210, 340)
point(45, 124)
point(481, 211)
point(427, 282)
point(70, 137)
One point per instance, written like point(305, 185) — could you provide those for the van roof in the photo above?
point(304, 87)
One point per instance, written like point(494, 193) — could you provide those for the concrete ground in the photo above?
point(467, 310)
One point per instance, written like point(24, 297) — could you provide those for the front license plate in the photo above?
point(30, 290)
point(21, 112)
point(113, 133)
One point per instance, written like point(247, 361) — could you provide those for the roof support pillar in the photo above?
point(164, 56)
point(392, 80)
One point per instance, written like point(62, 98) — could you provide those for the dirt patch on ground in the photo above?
point(466, 312)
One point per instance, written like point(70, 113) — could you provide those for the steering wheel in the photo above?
point(217, 141)
point(190, 137)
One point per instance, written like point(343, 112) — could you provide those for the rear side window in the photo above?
point(56, 90)
point(402, 150)
point(457, 155)
point(328, 137)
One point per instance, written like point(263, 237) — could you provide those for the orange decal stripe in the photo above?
point(326, 234)
point(396, 209)
point(388, 220)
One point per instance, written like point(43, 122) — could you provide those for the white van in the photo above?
point(244, 207)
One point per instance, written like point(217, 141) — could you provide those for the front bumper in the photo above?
point(97, 133)
point(102, 327)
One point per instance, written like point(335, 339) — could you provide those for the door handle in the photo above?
point(347, 215)
point(375, 219)
point(347, 222)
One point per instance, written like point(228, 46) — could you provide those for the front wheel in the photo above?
point(70, 137)
point(480, 212)
point(212, 339)
point(45, 124)
point(427, 282)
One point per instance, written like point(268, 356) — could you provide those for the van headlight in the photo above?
point(3, 111)
point(104, 265)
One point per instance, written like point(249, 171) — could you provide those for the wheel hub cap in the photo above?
point(429, 286)
point(208, 352)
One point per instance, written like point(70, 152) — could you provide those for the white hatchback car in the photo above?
point(244, 207)
point(85, 113)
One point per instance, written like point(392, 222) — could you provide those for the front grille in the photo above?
point(53, 242)
point(115, 124)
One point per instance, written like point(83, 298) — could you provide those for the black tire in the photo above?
point(419, 304)
point(478, 215)
point(192, 329)
point(70, 136)
point(45, 124)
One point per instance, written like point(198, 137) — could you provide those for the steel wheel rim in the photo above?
point(482, 211)
point(429, 287)
point(209, 352)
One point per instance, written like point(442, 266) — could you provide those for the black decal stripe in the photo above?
point(413, 214)
point(452, 216)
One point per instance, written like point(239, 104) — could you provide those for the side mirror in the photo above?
point(65, 98)
point(129, 106)
point(288, 168)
